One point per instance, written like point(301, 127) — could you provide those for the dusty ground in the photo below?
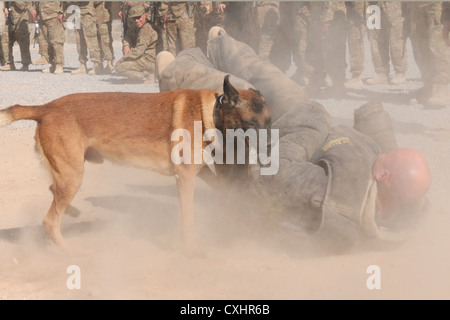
point(127, 230)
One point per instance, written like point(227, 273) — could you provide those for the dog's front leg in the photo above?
point(185, 175)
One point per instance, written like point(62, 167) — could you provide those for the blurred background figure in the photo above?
point(388, 44)
point(16, 30)
point(429, 33)
point(52, 34)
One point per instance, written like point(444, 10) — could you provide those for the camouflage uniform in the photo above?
point(140, 61)
point(206, 16)
point(177, 21)
point(2, 26)
point(388, 43)
point(52, 34)
point(18, 31)
point(241, 23)
point(86, 38)
point(430, 51)
point(356, 32)
point(329, 46)
point(127, 22)
point(268, 14)
point(103, 21)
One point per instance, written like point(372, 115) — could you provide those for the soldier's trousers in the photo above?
point(86, 38)
point(269, 19)
point(356, 34)
point(54, 36)
point(180, 31)
point(104, 40)
point(430, 51)
point(388, 43)
point(136, 69)
point(20, 34)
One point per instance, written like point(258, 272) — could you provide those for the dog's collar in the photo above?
point(220, 98)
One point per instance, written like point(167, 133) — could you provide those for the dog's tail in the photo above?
point(18, 112)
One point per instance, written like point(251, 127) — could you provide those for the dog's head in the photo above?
point(245, 109)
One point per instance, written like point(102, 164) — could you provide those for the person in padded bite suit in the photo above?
point(341, 182)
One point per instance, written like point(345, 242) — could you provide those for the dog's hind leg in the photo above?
point(185, 175)
point(65, 157)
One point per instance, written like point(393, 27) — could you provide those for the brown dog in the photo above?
point(132, 129)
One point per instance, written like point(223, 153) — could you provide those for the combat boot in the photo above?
point(58, 69)
point(41, 61)
point(440, 97)
point(399, 78)
point(354, 83)
point(109, 66)
point(81, 70)
point(150, 78)
point(98, 69)
point(24, 68)
point(380, 78)
point(51, 69)
point(8, 67)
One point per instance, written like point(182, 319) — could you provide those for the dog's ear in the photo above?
point(230, 94)
point(217, 118)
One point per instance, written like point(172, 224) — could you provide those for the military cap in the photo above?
point(136, 11)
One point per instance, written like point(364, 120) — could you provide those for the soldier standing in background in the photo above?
point(42, 42)
point(16, 29)
point(330, 27)
point(430, 25)
point(268, 15)
point(51, 15)
point(86, 39)
point(2, 26)
point(241, 22)
point(104, 36)
point(207, 14)
point(139, 48)
point(293, 38)
point(356, 33)
point(388, 44)
point(177, 26)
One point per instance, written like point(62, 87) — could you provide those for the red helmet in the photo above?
point(403, 177)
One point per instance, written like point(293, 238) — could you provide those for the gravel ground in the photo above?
point(246, 260)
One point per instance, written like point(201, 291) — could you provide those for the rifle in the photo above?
point(152, 12)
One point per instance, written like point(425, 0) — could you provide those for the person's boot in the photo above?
point(24, 68)
point(42, 60)
point(81, 70)
point(354, 83)
point(98, 69)
point(399, 78)
point(50, 69)
point(58, 69)
point(8, 67)
point(150, 78)
point(109, 67)
point(440, 97)
point(380, 78)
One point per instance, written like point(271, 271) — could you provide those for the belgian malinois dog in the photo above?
point(132, 129)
